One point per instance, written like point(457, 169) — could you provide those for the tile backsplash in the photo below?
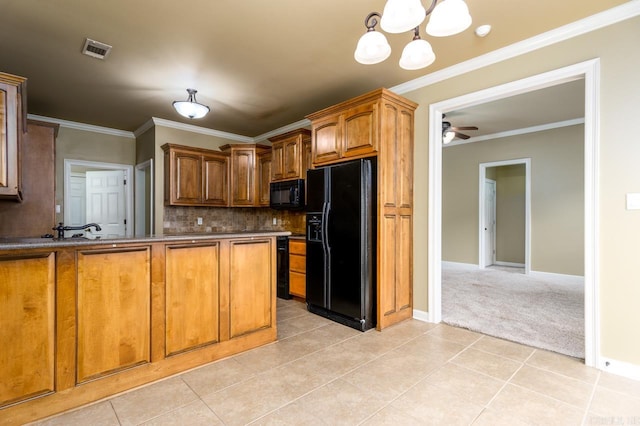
point(183, 220)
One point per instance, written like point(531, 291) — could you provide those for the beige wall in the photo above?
point(618, 173)
point(557, 200)
point(75, 144)
point(510, 213)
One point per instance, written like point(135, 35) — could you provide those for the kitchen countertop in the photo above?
point(14, 243)
point(297, 237)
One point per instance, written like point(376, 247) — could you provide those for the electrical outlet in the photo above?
point(633, 201)
point(199, 221)
point(275, 221)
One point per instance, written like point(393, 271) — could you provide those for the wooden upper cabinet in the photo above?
point(188, 177)
point(347, 131)
point(215, 175)
point(360, 137)
point(195, 177)
point(264, 178)
point(288, 155)
point(326, 142)
point(12, 124)
point(245, 181)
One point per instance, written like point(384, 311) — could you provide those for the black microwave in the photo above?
point(287, 195)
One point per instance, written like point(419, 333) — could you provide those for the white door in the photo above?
point(106, 203)
point(78, 196)
point(489, 222)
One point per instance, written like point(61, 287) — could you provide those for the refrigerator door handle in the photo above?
point(326, 207)
point(325, 225)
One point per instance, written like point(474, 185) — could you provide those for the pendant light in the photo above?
point(447, 17)
point(191, 108)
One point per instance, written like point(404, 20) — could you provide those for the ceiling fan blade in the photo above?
point(465, 128)
point(462, 135)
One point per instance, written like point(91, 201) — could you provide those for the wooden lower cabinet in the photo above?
point(251, 296)
point(90, 321)
point(298, 268)
point(192, 296)
point(114, 289)
point(27, 324)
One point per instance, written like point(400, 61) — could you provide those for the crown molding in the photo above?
point(202, 130)
point(516, 132)
point(284, 129)
point(82, 126)
point(611, 16)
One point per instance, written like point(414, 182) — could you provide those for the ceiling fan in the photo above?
point(450, 132)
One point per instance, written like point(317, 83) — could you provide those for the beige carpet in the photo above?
point(542, 311)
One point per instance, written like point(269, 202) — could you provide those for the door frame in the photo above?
point(527, 209)
point(128, 193)
point(590, 72)
point(482, 258)
point(140, 195)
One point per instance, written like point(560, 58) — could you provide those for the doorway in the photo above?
point(509, 242)
point(144, 198)
point(588, 71)
point(100, 193)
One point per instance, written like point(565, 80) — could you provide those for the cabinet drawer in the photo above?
point(297, 284)
point(298, 247)
point(298, 263)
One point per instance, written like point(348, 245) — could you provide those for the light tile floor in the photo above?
point(414, 373)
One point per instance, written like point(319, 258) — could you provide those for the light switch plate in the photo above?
point(199, 221)
point(633, 201)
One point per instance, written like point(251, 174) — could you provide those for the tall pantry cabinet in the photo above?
point(379, 123)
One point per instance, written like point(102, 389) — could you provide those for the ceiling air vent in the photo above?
point(96, 49)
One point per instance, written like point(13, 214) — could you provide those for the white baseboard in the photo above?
point(512, 264)
point(619, 368)
point(421, 316)
point(556, 276)
point(460, 264)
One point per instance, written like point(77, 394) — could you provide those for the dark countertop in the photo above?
point(27, 243)
point(297, 237)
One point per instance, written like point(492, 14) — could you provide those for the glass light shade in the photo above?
point(417, 54)
point(191, 109)
point(402, 15)
point(372, 48)
point(448, 136)
point(448, 18)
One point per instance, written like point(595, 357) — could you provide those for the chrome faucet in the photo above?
point(61, 228)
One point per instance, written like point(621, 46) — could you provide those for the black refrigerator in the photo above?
point(341, 243)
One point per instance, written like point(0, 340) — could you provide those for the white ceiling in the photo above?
point(259, 65)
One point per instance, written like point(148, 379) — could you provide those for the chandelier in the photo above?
point(448, 17)
point(191, 108)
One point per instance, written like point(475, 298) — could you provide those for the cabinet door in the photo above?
point(277, 161)
point(360, 132)
point(243, 177)
point(192, 297)
point(297, 268)
point(27, 326)
point(395, 206)
point(113, 308)
point(326, 140)
point(292, 159)
point(187, 178)
point(306, 159)
point(251, 286)
point(10, 133)
point(265, 165)
point(215, 185)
